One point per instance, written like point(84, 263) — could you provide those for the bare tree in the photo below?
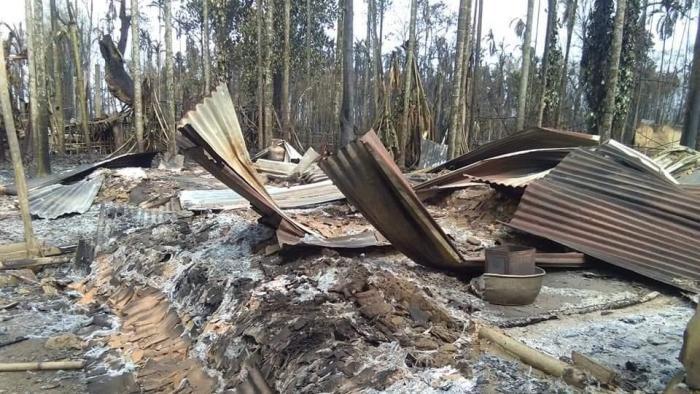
point(347, 119)
point(339, 55)
point(9, 125)
point(261, 76)
point(205, 46)
point(571, 8)
point(169, 79)
point(136, 72)
point(408, 77)
point(605, 128)
point(376, 57)
point(691, 125)
point(98, 91)
point(525, 69)
point(457, 89)
point(284, 99)
point(57, 101)
point(267, 69)
point(37, 75)
point(79, 75)
point(551, 25)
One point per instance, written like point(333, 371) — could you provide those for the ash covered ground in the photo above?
point(307, 319)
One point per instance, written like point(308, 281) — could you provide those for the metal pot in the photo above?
point(509, 289)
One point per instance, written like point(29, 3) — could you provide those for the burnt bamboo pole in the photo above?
point(20, 180)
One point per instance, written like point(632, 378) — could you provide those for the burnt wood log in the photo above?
point(119, 82)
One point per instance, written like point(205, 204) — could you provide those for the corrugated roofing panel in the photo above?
point(514, 170)
point(366, 174)
point(286, 197)
point(54, 201)
point(79, 172)
point(211, 135)
point(533, 138)
point(213, 138)
point(621, 215)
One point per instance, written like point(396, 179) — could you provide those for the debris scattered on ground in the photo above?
point(179, 286)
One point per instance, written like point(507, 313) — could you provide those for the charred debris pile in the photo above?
point(348, 275)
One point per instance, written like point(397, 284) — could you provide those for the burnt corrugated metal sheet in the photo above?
point(431, 154)
point(534, 138)
point(55, 201)
point(692, 189)
point(515, 170)
point(211, 135)
point(213, 138)
point(635, 159)
point(126, 160)
point(366, 174)
point(621, 215)
point(286, 197)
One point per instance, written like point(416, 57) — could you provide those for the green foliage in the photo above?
point(554, 70)
point(595, 58)
point(636, 43)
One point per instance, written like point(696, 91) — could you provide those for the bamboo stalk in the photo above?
point(35, 262)
point(533, 357)
point(41, 365)
point(20, 180)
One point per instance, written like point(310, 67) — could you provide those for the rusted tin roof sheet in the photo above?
point(53, 201)
point(366, 174)
point(619, 214)
point(211, 135)
point(213, 138)
point(692, 189)
point(126, 160)
point(534, 138)
point(286, 197)
point(515, 170)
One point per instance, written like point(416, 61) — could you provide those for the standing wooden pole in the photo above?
point(20, 180)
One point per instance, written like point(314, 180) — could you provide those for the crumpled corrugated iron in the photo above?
point(534, 138)
point(369, 178)
point(53, 201)
point(211, 135)
point(286, 197)
point(678, 160)
point(125, 160)
point(621, 214)
point(514, 170)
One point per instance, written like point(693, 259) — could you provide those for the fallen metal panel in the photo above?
point(213, 138)
point(286, 197)
point(126, 160)
point(54, 201)
point(635, 159)
point(692, 189)
point(211, 135)
point(366, 174)
point(275, 169)
point(515, 170)
point(431, 154)
point(534, 138)
point(594, 204)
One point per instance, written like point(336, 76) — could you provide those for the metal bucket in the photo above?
point(509, 289)
point(510, 260)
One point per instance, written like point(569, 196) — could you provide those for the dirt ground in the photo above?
point(188, 303)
